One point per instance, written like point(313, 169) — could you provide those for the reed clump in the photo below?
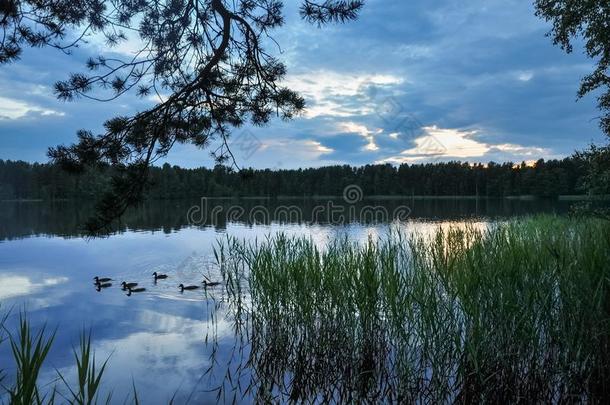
point(30, 348)
point(517, 312)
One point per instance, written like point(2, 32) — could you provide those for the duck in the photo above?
point(128, 285)
point(159, 276)
point(182, 287)
point(99, 286)
point(134, 290)
point(210, 283)
point(102, 280)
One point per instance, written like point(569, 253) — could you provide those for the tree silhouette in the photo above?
point(588, 20)
point(545, 179)
point(203, 59)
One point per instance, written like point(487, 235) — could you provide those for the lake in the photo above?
point(166, 342)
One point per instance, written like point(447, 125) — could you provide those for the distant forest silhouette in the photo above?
point(23, 180)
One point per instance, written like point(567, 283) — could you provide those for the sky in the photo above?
point(409, 82)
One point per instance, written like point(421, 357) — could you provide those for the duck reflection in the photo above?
point(101, 286)
point(134, 290)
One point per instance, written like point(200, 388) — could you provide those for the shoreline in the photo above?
point(338, 197)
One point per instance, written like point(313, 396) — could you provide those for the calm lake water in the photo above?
point(166, 342)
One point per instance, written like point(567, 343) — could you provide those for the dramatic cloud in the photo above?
point(410, 81)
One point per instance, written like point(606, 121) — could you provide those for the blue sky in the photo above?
point(410, 81)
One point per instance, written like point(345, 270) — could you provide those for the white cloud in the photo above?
point(12, 109)
point(363, 131)
point(318, 147)
point(323, 88)
point(445, 144)
point(521, 150)
point(279, 153)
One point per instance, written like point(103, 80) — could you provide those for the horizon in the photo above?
point(515, 164)
point(500, 91)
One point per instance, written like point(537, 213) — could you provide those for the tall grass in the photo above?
point(30, 350)
point(89, 375)
point(518, 312)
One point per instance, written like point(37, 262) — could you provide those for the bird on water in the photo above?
point(182, 287)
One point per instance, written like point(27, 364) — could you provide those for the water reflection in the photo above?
point(66, 219)
point(167, 341)
point(16, 285)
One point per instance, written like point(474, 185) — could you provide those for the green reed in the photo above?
point(29, 352)
point(30, 349)
point(89, 375)
point(518, 311)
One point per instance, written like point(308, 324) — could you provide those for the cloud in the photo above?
point(521, 150)
point(455, 144)
point(486, 64)
point(363, 131)
point(303, 148)
point(318, 147)
point(12, 109)
point(525, 76)
point(328, 92)
point(414, 51)
point(130, 46)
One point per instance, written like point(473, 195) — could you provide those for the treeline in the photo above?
point(22, 180)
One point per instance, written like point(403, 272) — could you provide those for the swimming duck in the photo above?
point(99, 286)
point(128, 285)
point(210, 283)
point(159, 276)
point(101, 280)
point(182, 287)
point(134, 290)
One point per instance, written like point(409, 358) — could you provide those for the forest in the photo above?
point(546, 179)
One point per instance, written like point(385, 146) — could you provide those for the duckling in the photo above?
point(128, 285)
point(134, 290)
point(101, 280)
point(99, 286)
point(159, 276)
point(182, 287)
